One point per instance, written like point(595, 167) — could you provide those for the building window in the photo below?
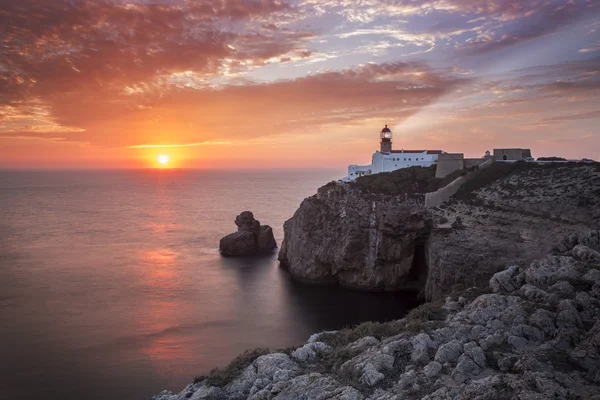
point(404, 159)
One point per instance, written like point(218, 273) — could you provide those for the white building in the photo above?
point(387, 160)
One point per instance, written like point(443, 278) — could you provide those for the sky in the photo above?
point(288, 84)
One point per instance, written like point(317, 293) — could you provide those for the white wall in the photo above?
point(390, 162)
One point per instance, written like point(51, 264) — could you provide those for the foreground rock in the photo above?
point(378, 235)
point(535, 334)
point(250, 239)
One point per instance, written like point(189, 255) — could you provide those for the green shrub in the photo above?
point(404, 181)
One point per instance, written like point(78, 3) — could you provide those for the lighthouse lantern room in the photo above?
point(386, 140)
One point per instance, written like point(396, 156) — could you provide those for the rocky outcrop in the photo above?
point(533, 334)
point(374, 238)
point(251, 238)
point(369, 242)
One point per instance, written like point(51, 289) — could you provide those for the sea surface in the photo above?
point(112, 286)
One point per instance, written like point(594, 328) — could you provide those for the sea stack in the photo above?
point(250, 239)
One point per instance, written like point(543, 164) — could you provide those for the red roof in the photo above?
point(418, 151)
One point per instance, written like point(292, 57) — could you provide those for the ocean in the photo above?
point(112, 286)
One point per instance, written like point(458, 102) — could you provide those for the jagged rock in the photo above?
point(246, 222)
point(407, 379)
point(491, 341)
point(531, 292)
point(505, 280)
point(369, 367)
point(315, 337)
point(251, 238)
point(271, 367)
point(449, 352)
point(585, 254)
point(421, 345)
point(544, 320)
point(432, 370)
point(562, 288)
point(363, 343)
point(266, 241)
point(312, 386)
point(310, 351)
point(516, 341)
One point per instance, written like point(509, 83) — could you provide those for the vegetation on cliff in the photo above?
point(404, 181)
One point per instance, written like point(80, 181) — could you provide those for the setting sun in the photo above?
point(163, 159)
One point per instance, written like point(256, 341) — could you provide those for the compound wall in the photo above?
point(448, 163)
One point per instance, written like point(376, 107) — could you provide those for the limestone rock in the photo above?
point(251, 238)
point(432, 370)
point(310, 351)
point(505, 280)
point(449, 352)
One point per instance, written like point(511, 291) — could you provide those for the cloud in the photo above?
point(529, 21)
point(575, 117)
point(241, 112)
point(167, 146)
point(50, 47)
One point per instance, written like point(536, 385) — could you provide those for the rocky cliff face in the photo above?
point(508, 214)
point(359, 240)
point(533, 334)
point(370, 239)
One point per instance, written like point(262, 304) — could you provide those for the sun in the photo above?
point(163, 159)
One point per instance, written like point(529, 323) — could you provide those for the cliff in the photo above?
point(508, 213)
point(532, 332)
point(377, 234)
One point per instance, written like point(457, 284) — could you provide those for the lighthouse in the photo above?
point(388, 160)
point(386, 140)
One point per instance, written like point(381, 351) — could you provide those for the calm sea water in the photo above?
point(112, 286)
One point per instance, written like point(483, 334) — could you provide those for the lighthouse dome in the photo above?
point(386, 133)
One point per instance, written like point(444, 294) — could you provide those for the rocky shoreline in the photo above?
point(513, 311)
point(534, 333)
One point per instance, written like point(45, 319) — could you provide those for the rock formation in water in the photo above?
point(376, 234)
point(250, 239)
point(532, 332)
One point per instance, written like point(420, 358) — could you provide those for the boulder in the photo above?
point(241, 243)
point(266, 241)
point(250, 239)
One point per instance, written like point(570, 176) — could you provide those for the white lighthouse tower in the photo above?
point(386, 140)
